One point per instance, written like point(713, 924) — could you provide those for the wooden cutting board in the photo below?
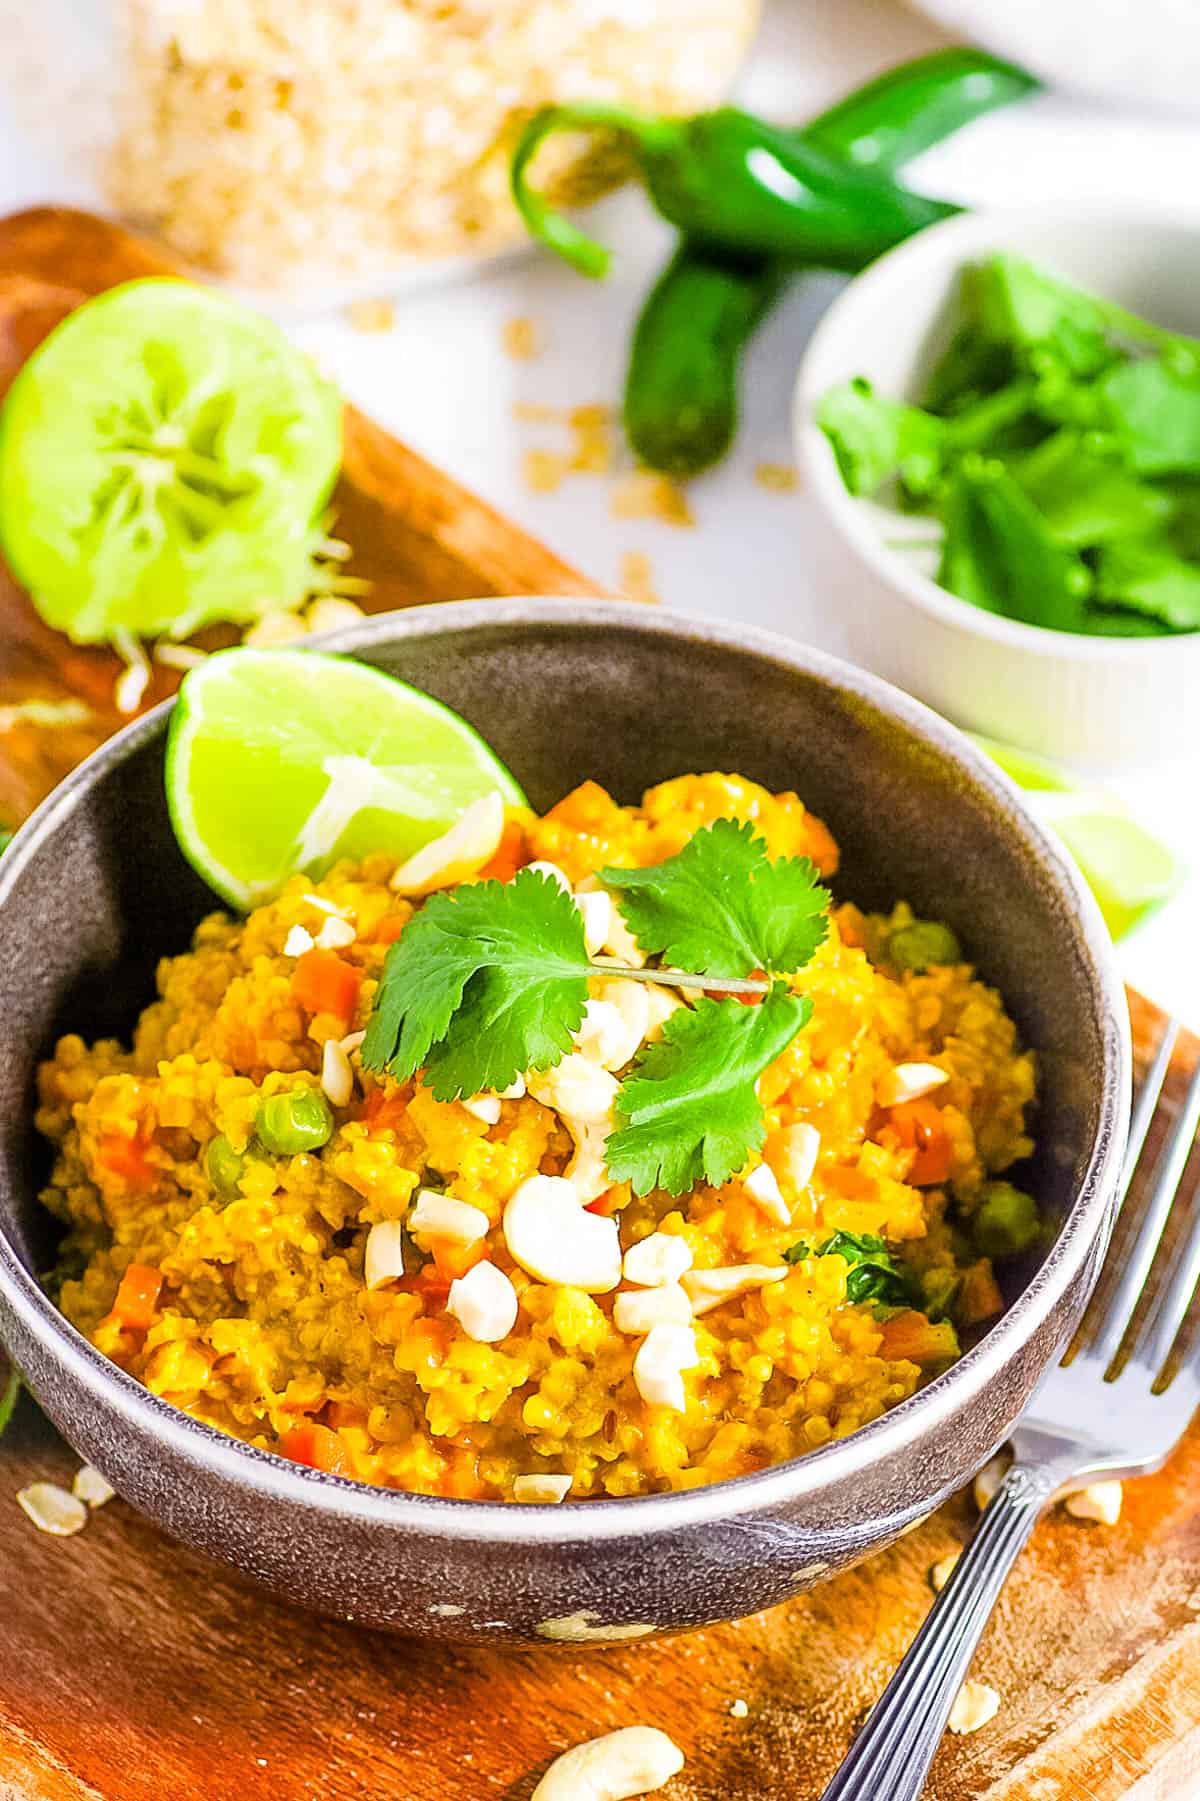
point(133, 1670)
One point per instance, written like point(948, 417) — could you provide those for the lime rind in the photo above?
point(1131, 873)
point(285, 760)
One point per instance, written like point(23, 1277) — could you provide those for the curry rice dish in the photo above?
point(324, 1262)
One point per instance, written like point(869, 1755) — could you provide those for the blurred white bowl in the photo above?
point(1094, 700)
point(1146, 54)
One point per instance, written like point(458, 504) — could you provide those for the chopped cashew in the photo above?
point(546, 1489)
point(908, 1082)
point(298, 940)
point(658, 1368)
point(792, 1153)
point(939, 1574)
point(337, 1077)
point(552, 872)
point(514, 1091)
point(485, 1107)
point(709, 1287)
point(637, 1311)
point(587, 1171)
point(52, 1509)
point(437, 1215)
point(662, 1002)
point(553, 1237)
point(989, 1479)
point(974, 1705)
point(383, 1254)
point(634, 1761)
point(353, 1041)
point(596, 911)
point(471, 842)
point(582, 1094)
point(620, 942)
point(1100, 1501)
point(576, 1088)
point(90, 1487)
point(484, 1302)
point(612, 1030)
point(739, 1709)
point(657, 1260)
point(335, 934)
point(762, 1187)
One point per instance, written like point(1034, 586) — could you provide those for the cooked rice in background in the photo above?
point(265, 1326)
point(265, 139)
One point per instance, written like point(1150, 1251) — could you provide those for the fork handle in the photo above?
point(890, 1758)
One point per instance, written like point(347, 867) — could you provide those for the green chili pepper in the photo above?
point(681, 385)
point(729, 181)
point(299, 1120)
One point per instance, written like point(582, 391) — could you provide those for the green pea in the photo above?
point(300, 1120)
point(1006, 1221)
point(921, 944)
point(224, 1166)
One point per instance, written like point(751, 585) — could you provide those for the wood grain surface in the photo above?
point(134, 1670)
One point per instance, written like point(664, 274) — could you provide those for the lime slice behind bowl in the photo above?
point(1130, 871)
point(279, 760)
point(164, 455)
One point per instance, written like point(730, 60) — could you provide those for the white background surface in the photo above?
point(440, 379)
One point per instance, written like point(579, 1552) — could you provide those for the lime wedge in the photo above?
point(1130, 871)
point(281, 760)
point(165, 456)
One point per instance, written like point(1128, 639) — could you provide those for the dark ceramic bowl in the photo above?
point(93, 891)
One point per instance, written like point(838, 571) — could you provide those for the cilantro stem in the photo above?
point(680, 978)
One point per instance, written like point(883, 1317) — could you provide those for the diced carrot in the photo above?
point(510, 854)
point(383, 1108)
point(610, 1201)
point(751, 1000)
point(136, 1302)
point(315, 1446)
point(323, 982)
point(911, 1337)
point(920, 1127)
point(345, 1413)
point(979, 1296)
point(454, 1260)
point(126, 1157)
point(389, 928)
point(585, 807)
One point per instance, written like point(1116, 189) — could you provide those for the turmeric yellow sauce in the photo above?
point(232, 1279)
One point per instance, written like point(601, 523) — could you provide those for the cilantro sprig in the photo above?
point(875, 1273)
point(489, 980)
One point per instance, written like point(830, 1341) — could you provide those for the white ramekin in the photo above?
point(1094, 700)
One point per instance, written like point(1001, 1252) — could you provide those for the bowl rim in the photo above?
point(277, 1480)
point(852, 314)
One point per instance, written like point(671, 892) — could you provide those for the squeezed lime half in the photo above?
point(164, 457)
point(283, 760)
point(1130, 871)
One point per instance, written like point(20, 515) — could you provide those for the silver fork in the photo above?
point(1082, 1423)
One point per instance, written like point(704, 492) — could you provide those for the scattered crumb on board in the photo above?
point(371, 315)
point(637, 578)
point(521, 339)
point(648, 495)
point(780, 478)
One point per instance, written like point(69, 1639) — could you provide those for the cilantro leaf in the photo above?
point(1154, 408)
point(875, 439)
point(722, 908)
point(690, 1108)
point(876, 1274)
point(998, 553)
point(1150, 579)
point(484, 982)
